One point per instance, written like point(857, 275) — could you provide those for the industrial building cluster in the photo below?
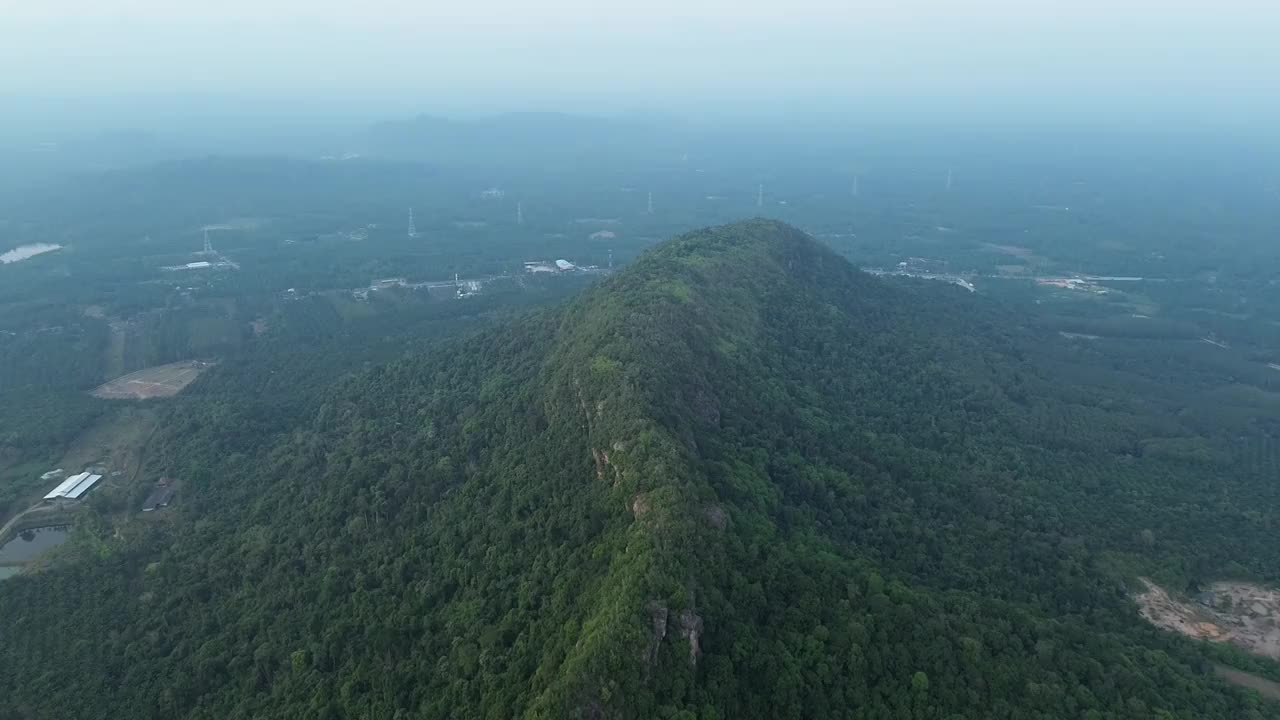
point(75, 487)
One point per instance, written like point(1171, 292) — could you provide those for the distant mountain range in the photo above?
point(521, 140)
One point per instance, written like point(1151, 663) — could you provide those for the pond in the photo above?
point(30, 543)
point(23, 252)
point(8, 571)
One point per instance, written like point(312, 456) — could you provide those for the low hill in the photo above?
point(739, 479)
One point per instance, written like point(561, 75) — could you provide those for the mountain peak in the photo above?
point(748, 241)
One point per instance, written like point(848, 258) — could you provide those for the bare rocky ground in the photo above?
point(1245, 615)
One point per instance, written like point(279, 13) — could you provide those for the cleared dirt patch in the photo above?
point(116, 442)
point(153, 382)
point(1244, 615)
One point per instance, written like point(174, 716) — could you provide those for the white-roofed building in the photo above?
point(65, 486)
point(74, 486)
point(83, 487)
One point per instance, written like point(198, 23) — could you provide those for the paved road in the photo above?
point(34, 509)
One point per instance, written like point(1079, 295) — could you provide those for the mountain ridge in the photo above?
point(737, 479)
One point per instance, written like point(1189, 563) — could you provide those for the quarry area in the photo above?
point(1239, 613)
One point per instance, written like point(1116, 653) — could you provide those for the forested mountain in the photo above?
point(739, 479)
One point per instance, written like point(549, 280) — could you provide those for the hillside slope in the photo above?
point(740, 479)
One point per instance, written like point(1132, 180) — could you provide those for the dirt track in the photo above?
point(1264, 686)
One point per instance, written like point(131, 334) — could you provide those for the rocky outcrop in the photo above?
point(582, 403)
point(691, 630)
point(604, 467)
point(657, 630)
point(640, 505)
point(601, 459)
point(688, 626)
point(716, 517)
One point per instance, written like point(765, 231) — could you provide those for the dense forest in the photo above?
point(739, 479)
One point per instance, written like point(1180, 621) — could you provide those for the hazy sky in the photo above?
point(1201, 58)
